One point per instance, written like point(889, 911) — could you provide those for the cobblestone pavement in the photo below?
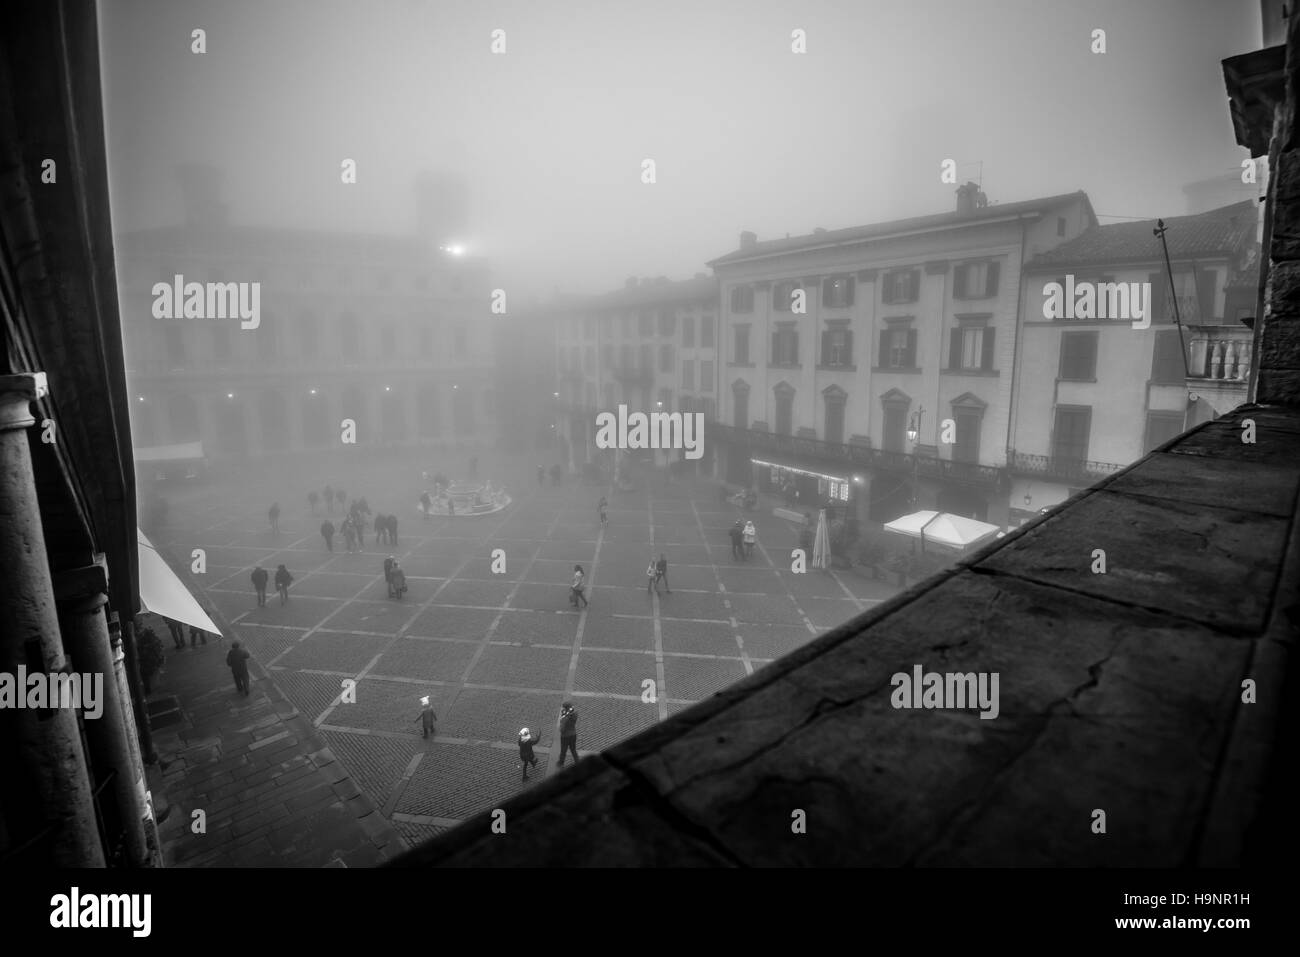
point(497, 651)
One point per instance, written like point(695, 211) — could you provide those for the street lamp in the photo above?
point(914, 436)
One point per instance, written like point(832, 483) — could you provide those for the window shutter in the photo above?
point(882, 360)
point(826, 348)
point(992, 288)
point(828, 292)
point(959, 282)
point(911, 348)
point(986, 360)
point(954, 349)
point(849, 284)
point(1157, 305)
point(1066, 366)
point(1089, 370)
point(847, 357)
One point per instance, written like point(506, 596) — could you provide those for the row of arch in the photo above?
point(263, 422)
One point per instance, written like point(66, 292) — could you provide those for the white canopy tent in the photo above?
point(821, 556)
point(162, 593)
point(943, 528)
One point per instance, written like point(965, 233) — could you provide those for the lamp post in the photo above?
point(914, 436)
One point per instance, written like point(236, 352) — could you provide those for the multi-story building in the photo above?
point(651, 346)
point(872, 366)
point(1093, 395)
point(391, 332)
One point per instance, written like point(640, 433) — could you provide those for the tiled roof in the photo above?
point(858, 234)
point(657, 292)
point(1220, 232)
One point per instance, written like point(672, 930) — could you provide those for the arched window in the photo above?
point(740, 403)
point(784, 408)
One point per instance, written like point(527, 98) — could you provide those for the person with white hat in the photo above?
point(427, 717)
point(527, 740)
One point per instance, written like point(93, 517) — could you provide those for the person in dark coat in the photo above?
point(197, 635)
point(737, 540)
point(381, 529)
point(427, 718)
point(259, 578)
point(327, 533)
point(392, 529)
point(178, 633)
point(397, 580)
point(426, 505)
point(661, 575)
point(568, 732)
point(282, 582)
point(604, 516)
point(527, 741)
point(389, 562)
point(237, 660)
point(274, 515)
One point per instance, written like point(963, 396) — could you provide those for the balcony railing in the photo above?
point(924, 466)
point(1075, 471)
point(1219, 352)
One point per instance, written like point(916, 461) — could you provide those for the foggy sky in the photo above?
point(746, 135)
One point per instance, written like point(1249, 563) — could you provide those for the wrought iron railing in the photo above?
point(1078, 471)
point(923, 466)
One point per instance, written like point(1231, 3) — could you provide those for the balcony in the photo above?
point(1057, 468)
point(1219, 352)
point(924, 466)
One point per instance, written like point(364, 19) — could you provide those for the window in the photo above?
point(688, 375)
point(783, 294)
point(706, 332)
point(898, 348)
point(837, 292)
point(785, 347)
point(667, 322)
point(902, 285)
point(1070, 435)
point(665, 403)
point(742, 299)
point(607, 355)
point(740, 353)
point(784, 409)
point(645, 324)
point(835, 402)
point(589, 360)
point(1167, 359)
point(461, 343)
point(688, 331)
point(1078, 356)
point(895, 427)
point(706, 375)
point(837, 347)
point(740, 405)
point(1161, 427)
point(666, 359)
point(971, 348)
point(975, 280)
point(967, 446)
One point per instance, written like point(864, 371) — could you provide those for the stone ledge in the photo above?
point(1118, 691)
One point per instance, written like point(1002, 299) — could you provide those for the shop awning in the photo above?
point(942, 528)
point(163, 593)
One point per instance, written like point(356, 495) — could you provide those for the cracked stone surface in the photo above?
point(1118, 692)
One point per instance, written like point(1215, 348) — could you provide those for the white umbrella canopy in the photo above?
point(162, 593)
point(821, 556)
point(942, 528)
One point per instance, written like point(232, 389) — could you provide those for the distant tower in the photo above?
point(200, 189)
point(441, 207)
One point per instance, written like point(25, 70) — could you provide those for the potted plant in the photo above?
point(150, 650)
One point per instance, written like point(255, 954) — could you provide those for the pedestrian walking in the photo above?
point(650, 575)
point(661, 573)
point(178, 633)
point(327, 533)
point(391, 525)
point(237, 661)
point(396, 581)
point(349, 535)
point(751, 536)
point(527, 741)
point(381, 529)
point(427, 718)
point(197, 635)
point(426, 505)
point(273, 513)
point(604, 517)
point(568, 732)
point(329, 499)
point(578, 590)
point(312, 498)
point(737, 534)
point(282, 582)
point(260, 578)
point(541, 476)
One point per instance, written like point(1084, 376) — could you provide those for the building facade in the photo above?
point(651, 346)
point(1095, 394)
point(392, 333)
point(871, 367)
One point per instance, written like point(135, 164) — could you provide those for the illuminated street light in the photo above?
point(313, 391)
point(388, 388)
point(140, 397)
point(230, 395)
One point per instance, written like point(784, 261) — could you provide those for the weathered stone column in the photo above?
point(127, 703)
point(50, 782)
point(82, 594)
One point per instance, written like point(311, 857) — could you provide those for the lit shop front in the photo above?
point(802, 488)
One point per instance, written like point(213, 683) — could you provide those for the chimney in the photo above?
point(970, 198)
point(748, 240)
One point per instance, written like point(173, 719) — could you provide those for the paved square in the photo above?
point(497, 651)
